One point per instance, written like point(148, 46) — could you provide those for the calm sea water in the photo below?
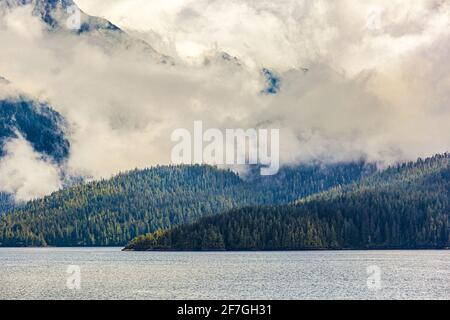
point(108, 273)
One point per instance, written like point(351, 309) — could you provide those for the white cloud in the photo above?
point(20, 23)
point(25, 173)
point(282, 34)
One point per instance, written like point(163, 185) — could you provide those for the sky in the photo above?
point(359, 79)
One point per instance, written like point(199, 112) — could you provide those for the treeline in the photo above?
point(406, 206)
point(6, 203)
point(112, 212)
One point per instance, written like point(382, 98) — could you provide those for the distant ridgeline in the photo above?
point(112, 212)
point(38, 124)
point(407, 206)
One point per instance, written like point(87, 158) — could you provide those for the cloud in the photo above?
point(286, 33)
point(25, 173)
point(376, 86)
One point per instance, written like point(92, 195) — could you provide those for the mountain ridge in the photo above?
point(57, 13)
point(112, 212)
point(412, 212)
point(44, 128)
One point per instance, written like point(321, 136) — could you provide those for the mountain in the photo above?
point(406, 206)
point(112, 212)
point(58, 15)
point(273, 82)
point(38, 123)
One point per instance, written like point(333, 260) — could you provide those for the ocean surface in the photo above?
point(108, 273)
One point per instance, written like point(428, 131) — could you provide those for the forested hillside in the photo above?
point(112, 212)
point(6, 203)
point(406, 206)
point(40, 125)
point(37, 123)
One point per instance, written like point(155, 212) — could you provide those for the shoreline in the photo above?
point(292, 250)
point(235, 251)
